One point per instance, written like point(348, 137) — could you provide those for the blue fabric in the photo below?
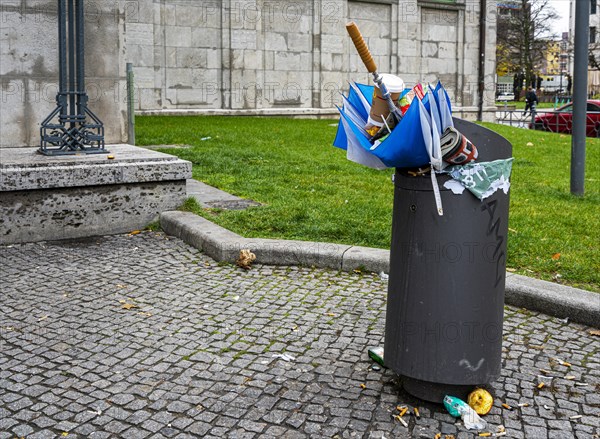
point(357, 103)
point(341, 139)
point(367, 91)
point(439, 87)
point(405, 146)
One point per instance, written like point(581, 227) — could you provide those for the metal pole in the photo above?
point(73, 133)
point(130, 105)
point(62, 57)
point(80, 60)
point(71, 91)
point(481, 68)
point(582, 37)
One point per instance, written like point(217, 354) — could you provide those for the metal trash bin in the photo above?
point(445, 304)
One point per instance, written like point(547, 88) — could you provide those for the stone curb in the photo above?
point(222, 245)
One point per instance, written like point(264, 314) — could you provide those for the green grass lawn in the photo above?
point(311, 192)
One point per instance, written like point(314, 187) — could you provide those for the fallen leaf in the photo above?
point(145, 314)
point(511, 270)
point(595, 332)
point(529, 144)
point(64, 434)
point(121, 286)
point(135, 232)
point(556, 256)
point(129, 306)
point(245, 259)
point(330, 314)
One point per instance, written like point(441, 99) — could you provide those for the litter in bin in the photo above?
point(481, 401)
point(483, 179)
point(388, 87)
point(458, 408)
point(413, 143)
point(456, 148)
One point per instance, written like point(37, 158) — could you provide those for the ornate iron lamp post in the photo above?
point(73, 133)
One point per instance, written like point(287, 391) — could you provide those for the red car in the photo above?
point(561, 120)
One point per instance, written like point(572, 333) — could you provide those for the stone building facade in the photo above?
point(239, 56)
point(29, 67)
point(255, 56)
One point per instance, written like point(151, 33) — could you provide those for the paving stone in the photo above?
point(195, 358)
point(22, 430)
point(43, 434)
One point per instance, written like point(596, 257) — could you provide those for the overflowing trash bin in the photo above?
point(446, 283)
point(450, 223)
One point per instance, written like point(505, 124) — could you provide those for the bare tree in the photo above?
point(524, 34)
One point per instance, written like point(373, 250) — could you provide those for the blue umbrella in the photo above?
point(411, 144)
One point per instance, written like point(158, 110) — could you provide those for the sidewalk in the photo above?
point(223, 245)
point(146, 337)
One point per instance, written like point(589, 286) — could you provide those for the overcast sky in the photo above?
point(562, 7)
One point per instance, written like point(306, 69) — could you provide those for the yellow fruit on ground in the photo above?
point(481, 401)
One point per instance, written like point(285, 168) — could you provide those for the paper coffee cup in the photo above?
point(380, 109)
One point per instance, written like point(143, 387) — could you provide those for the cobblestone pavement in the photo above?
point(196, 356)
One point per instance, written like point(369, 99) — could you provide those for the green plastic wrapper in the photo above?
point(483, 179)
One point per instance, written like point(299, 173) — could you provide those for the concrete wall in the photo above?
point(257, 54)
point(245, 55)
point(29, 67)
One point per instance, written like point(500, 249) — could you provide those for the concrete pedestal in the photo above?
point(51, 198)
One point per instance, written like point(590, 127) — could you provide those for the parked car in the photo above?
point(506, 96)
point(561, 120)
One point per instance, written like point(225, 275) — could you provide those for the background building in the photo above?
point(242, 56)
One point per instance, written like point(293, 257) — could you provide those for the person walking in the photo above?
point(531, 100)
